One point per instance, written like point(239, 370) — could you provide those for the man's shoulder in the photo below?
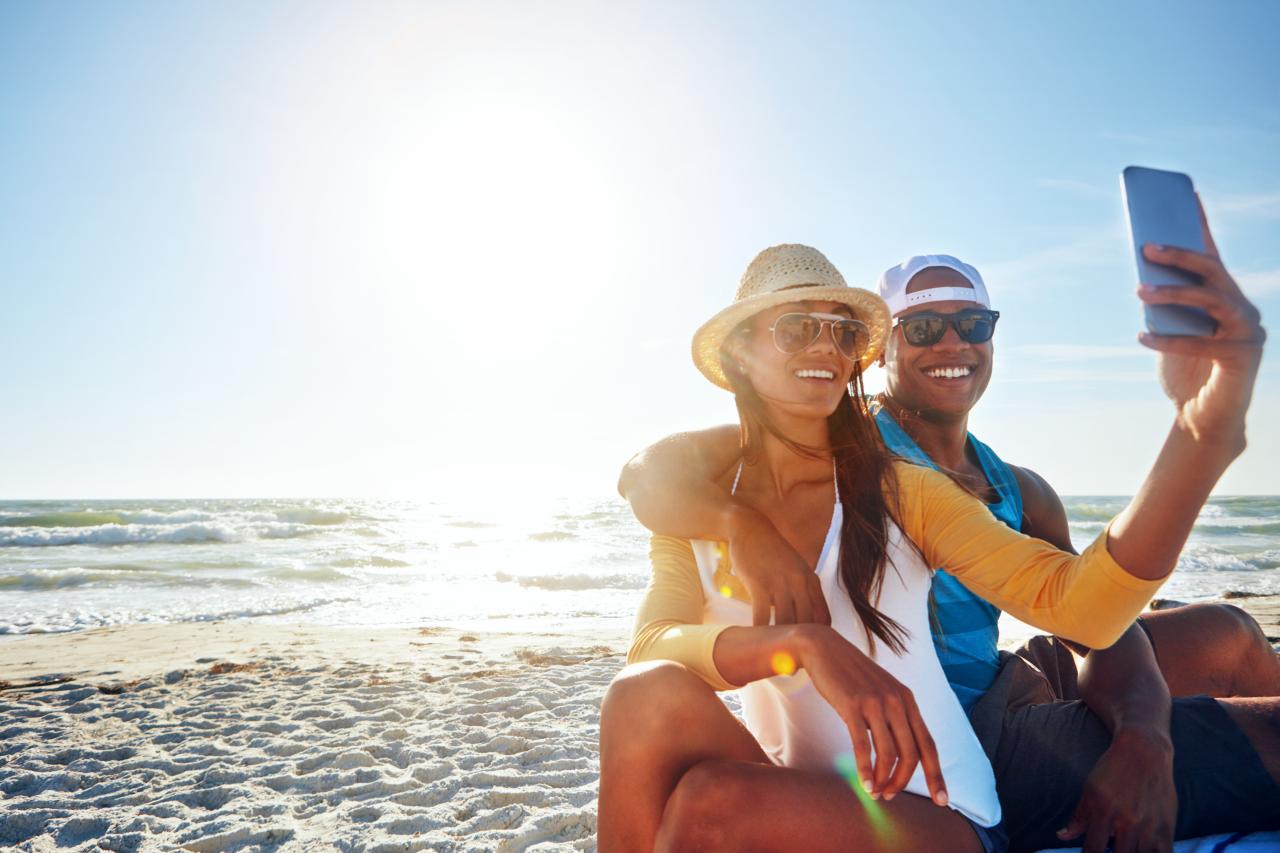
point(1043, 514)
point(1033, 486)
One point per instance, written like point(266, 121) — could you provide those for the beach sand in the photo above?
point(238, 735)
point(233, 735)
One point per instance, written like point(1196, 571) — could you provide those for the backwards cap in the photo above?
point(894, 281)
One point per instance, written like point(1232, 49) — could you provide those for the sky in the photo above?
point(427, 249)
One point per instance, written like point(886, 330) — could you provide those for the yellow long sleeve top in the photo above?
point(1088, 598)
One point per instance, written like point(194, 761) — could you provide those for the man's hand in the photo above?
point(777, 577)
point(1210, 379)
point(1129, 796)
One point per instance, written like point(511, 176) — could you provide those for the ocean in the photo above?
point(72, 565)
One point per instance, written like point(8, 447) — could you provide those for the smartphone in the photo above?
point(1162, 208)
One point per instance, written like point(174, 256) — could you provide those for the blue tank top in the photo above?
point(965, 627)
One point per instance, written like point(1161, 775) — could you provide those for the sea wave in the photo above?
point(372, 560)
point(80, 518)
point(70, 578)
point(1205, 560)
point(80, 620)
point(309, 516)
point(574, 582)
point(129, 534)
point(1090, 512)
point(323, 574)
point(1234, 526)
point(553, 536)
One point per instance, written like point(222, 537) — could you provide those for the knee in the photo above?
point(651, 702)
point(699, 813)
point(1240, 630)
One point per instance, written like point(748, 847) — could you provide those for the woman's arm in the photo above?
point(1088, 598)
point(874, 705)
point(669, 623)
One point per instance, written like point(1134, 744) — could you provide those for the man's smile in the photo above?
point(949, 371)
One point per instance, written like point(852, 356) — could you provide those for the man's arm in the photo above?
point(1131, 658)
point(672, 485)
point(1131, 787)
point(673, 490)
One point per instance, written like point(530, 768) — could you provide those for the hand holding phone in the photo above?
point(1162, 208)
point(1210, 379)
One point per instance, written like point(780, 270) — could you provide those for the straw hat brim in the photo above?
point(866, 306)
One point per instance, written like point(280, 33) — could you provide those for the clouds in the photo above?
point(1092, 249)
point(1265, 205)
point(1091, 363)
point(1258, 284)
point(1079, 188)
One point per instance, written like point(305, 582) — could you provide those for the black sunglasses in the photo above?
point(973, 325)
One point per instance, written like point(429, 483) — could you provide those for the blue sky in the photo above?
point(424, 248)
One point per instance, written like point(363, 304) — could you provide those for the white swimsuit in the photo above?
point(797, 728)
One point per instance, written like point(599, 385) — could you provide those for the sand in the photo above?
point(224, 736)
point(240, 735)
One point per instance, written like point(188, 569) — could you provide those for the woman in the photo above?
point(679, 770)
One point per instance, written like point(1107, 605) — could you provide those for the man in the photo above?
point(1103, 767)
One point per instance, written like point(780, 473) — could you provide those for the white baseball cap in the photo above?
point(894, 281)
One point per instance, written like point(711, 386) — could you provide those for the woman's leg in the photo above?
point(1214, 650)
point(746, 806)
point(678, 770)
point(658, 720)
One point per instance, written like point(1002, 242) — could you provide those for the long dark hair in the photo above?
point(867, 486)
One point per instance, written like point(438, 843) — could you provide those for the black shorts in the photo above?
point(1042, 749)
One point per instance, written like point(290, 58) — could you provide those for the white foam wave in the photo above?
point(79, 620)
point(574, 582)
point(1202, 560)
point(70, 578)
point(128, 534)
point(553, 536)
point(323, 574)
point(311, 516)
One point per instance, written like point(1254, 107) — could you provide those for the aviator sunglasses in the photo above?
point(795, 332)
point(973, 325)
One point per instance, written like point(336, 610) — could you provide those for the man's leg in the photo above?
point(1226, 764)
point(1259, 721)
point(1213, 650)
point(1226, 755)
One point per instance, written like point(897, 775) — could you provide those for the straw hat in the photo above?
point(781, 274)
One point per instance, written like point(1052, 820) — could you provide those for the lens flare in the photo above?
point(726, 591)
point(877, 819)
point(783, 663)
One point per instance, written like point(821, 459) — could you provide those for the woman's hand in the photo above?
point(777, 577)
point(1210, 379)
point(869, 699)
